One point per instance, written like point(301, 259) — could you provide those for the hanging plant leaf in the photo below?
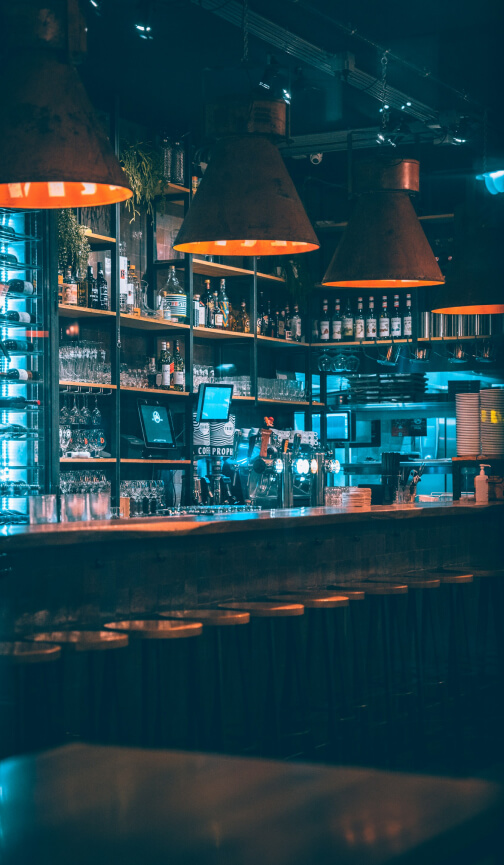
point(143, 165)
point(73, 246)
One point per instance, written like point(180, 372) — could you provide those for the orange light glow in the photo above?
point(245, 247)
point(381, 283)
point(59, 194)
point(480, 309)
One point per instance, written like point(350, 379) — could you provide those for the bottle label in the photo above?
point(288, 334)
point(324, 330)
point(166, 374)
point(371, 328)
point(23, 375)
point(407, 325)
point(259, 325)
point(202, 316)
point(348, 327)
point(179, 377)
point(281, 328)
point(395, 324)
point(297, 331)
point(177, 304)
point(24, 316)
point(359, 328)
point(384, 328)
point(224, 311)
point(218, 319)
point(70, 293)
point(336, 330)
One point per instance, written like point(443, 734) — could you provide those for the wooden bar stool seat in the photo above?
point(223, 663)
point(28, 696)
point(89, 683)
point(314, 600)
point(162, 689)
point(278, 676)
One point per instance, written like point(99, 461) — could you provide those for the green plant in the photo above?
point(144, 167)
point(299, 279)
point(73, 245)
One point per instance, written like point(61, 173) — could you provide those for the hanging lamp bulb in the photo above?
point(53, 152)
point(246, 203)
point(384, 245)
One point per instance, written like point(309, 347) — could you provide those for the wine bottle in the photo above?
point(12, 431)
point(348, 322)
point(17, 402)
point(224, 304)
point(101, 284)
point(17, 287)
point(324, 323)
point(396, 321)
point(336, 323)
point(20, 375)
point(371, 320)
point(218, 320)
point(178, 368)
point(21, 345)
point(14, 315)
point(93, 296)
point(165, 366)
point(384, 331)
point(407, 319)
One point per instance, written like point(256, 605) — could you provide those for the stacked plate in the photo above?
point(468, 424)
point(356, 498)
point(492, 421)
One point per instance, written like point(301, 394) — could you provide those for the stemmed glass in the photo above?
point(96, 417)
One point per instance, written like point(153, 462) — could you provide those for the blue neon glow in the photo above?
point(494, 181)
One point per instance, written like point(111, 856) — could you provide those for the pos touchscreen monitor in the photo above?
point(214, 402)
point(157, 426)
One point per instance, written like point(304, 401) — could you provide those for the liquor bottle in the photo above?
point(13, 315)
point(165, 366)
point(260, 314)
point(178, 368)
point(243, 319)
point(296, 325)
point(336, 323)
point(371, 324)
point(271, 332)
point(17, 287)
point(324, 323)
point(175, 296)
point(102, 286)
point(348, 322)
point(82, 290)
point(17, 402)
point(276, 322)
point(359, 321)
point(199, 311)
point(384, 320)
point(265, 320)
point(21, 345)
point(130, 291)
point(93, 296)
point(288, 324)
point(12, 431)
point(281, 325)
point(60, 285)
point(217, 314)
point(395, 320)
point(178, 163)
point(20, 375)
point(314, 330)
point(207, 301)
point(153, 376)
point(224, 304)
point(69, 288)
point(407, 318)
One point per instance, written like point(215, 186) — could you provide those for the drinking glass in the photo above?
point(74, 507)
point(99, 505)
point(42, 509)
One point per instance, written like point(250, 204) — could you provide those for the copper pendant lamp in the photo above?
point(53, 152)
point(384, 245)
point(246, 203)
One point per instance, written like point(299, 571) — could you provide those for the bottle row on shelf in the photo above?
point(351, 325)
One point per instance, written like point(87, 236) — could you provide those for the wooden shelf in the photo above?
point(87, 460)
point(211, 268)
point(159, 391)
point(139, 322)
point(99, 242)
point(159, 462)
point(285, 402)
point(344, 343)
point(286, 342)
point(243, 399)
point(454, 338)
point(71, 311)
point(218, 333)
point(88, 384)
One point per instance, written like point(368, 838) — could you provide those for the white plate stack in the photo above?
point(492, 421)
point(468, 424)
point(356, 498)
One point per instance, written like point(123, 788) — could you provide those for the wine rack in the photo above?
point(22, 360)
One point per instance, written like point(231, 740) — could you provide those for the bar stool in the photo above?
point(326, 653)
point(277, 668)
point(163, 693)
point(89, 682)
point(386, 675)
point(28, 697)
point(222, 664)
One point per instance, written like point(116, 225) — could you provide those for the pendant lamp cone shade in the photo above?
point(384, 245)
point(53, 152)
point(246, 204)
point(476, 285)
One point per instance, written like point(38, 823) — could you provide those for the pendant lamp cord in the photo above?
point(485, 140)
point(383, 95)
point(245, 29)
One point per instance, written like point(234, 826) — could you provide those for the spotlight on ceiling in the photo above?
point(143, 24)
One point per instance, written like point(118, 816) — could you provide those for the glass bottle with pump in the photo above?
point(224, 304)
point(407, 322)
point(336, 322)
point(384, 320)
point(371, 324)
point(165, 366)
point(348, 322)
point(102, 286)
point(359, 320)
point(324, 323)
point(396, 320)
point(178, 368)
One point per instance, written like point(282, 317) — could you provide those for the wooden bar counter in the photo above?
point(74, 573)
